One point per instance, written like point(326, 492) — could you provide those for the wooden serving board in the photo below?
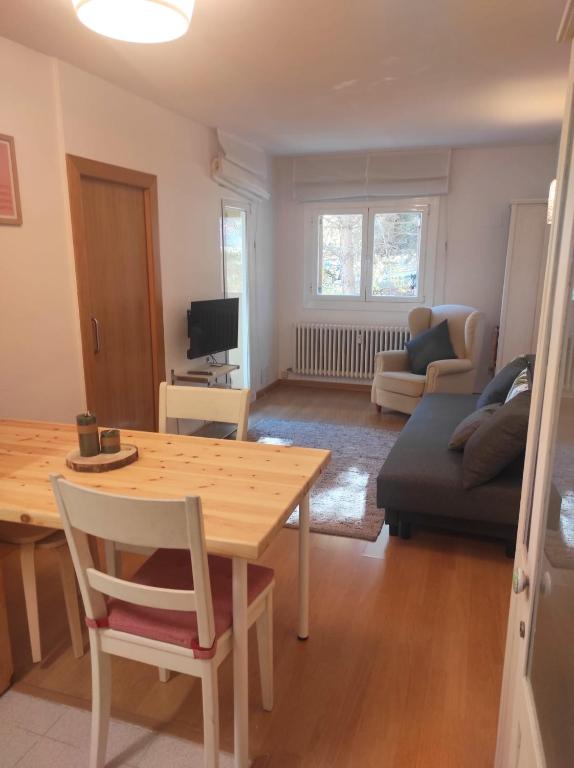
point(103, 462)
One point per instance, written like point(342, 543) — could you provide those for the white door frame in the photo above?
point(249, 207)
point(519, 742)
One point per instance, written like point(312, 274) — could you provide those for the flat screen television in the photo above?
point(212, 327)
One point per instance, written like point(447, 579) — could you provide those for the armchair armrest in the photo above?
point(441, 368)
point(391, 360)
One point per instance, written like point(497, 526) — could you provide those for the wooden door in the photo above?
point(114, 222)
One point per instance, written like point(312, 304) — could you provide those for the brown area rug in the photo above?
point(344, 499)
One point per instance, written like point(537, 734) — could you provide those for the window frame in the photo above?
point(428, 206)
point(342, 211)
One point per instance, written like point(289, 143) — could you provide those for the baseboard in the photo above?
point(316, 384)
point(262, 392)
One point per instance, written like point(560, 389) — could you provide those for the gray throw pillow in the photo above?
point(428, 346)
point(469, 425)
point(498, 388)
point(497, 442)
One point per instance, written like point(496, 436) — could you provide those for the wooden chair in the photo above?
point(230, 406)
point(29, 538)
point(164, 615)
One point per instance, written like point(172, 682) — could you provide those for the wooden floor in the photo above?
point(402, 669)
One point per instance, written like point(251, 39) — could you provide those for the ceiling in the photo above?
point(299, 76)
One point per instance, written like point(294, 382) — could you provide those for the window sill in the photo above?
point(360, 305)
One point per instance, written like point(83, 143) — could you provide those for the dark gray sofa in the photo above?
point(421, 480)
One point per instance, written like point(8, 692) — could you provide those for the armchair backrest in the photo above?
point(465, 327)
point(157, 523)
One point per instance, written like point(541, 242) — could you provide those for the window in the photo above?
point(396, 254)
point(340, 254)
point(234, 231)
point(380, 253)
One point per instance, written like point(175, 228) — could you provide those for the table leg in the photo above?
point(6, 666)
point(303, 624)
point(240, 666)
point(95, 552)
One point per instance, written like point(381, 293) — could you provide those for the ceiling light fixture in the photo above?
point(136, 21)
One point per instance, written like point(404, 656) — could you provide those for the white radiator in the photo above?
point(346, 351)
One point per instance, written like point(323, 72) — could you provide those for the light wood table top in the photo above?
point(248, 490)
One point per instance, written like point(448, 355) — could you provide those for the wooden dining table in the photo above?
point(248, 490)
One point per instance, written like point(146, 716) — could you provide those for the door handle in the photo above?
point(519, 581)
point(96, 334)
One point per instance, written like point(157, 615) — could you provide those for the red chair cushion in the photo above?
point(171, 569)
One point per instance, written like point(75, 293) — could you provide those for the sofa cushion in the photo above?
point(469, 425)
point(171, 568)
point(498, 388)
point(498, 442)
point(422, 476)
point(431, 345)
point(402, 382)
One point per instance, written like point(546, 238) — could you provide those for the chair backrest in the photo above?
point(465, 326)
point(157, 523)
point(206, 404)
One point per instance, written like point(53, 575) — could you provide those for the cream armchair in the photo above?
point(396, 388)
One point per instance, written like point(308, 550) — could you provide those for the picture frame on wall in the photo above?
point(10, 209)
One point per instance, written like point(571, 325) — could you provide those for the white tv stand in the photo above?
point(207, 375)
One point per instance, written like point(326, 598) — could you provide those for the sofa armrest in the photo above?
point(441, 368)
point(391, 360)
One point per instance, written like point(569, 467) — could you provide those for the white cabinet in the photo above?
point(523, 279)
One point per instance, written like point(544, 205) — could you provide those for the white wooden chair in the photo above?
point(164, 615)
point(29, 538)
point(229, 406)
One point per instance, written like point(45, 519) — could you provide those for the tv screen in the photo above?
point(212, 326)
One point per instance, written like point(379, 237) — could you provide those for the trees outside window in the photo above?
point(370, 253)
point(341, 246)
point(396, 247)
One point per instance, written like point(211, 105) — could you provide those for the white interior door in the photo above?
point(235, 234)
point(536, 726)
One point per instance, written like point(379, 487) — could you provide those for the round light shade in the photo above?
point(136, 21)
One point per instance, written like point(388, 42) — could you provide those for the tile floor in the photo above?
point(35, 733)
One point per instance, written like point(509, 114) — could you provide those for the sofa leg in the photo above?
point(393, 529)
point(404, 530)
point(379, 408)
point(510, 548)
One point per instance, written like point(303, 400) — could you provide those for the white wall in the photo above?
point(474, 222)
point(483, 182)
point(40, 359)
point(57, 109)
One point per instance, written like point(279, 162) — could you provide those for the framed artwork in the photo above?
point(10, 210)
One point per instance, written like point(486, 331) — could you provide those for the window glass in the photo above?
point(340, 252)
point(396, 254)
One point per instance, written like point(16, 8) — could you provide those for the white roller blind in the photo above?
point(240, 167)
point(329, 177)
point(380, 174)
